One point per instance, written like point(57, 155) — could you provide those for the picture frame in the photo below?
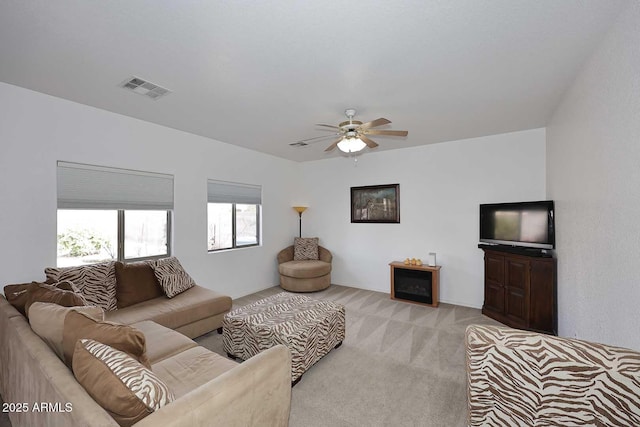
point(375, 204)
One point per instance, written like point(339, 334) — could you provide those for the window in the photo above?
point(145, 234)
point(92, 236)
point(86, 236)
point(233, 215)
point(112, 214)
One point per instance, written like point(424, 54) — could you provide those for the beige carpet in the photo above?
point(401, 364)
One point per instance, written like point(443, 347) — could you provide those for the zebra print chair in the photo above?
point(519, 378)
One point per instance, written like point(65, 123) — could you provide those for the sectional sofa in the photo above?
point(49, 388)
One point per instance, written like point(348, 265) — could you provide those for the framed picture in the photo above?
point(376, 203)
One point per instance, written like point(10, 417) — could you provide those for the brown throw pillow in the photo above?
point(41, 292)
point(17, 294)
point(118, 383)
point(305, 248)
point(96, 282)
point(135, 283)
point(171, 276)
point(121, 337)
point(65, 285)
point(47, 320)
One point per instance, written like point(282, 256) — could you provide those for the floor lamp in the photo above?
point(300, 209)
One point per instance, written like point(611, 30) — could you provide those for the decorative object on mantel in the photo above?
point(432, 259)
point(376, 204)
point(300, 209)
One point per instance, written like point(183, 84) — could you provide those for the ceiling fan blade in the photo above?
point(370, 143)
point(387, 132)
point(333, 145)
point(314, 139)
point(320, 137)
point(377, 122)
point(328, 126)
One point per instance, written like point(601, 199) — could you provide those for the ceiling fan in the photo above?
point(353, 134)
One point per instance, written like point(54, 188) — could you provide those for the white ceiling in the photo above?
point(260, 74)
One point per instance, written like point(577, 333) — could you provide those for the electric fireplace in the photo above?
point(415, 283)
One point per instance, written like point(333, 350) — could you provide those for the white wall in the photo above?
point(441, 186)
point(36, 130)
point(593, 159)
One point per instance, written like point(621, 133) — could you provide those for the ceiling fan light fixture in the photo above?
point(351, 145)
point(353, 135)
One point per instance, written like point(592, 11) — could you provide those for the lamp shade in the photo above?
point(351, 145)
point(300, 209)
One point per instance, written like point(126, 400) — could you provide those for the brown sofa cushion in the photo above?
point(190, 306)
point(121, 337)
point(135, 283)
point(47, 320)
point(118, 383)
point(162, 342)
point(171, 276)
point(96, 282)
point(304, 269)
point(305, 248)
point(17, 294)
point(192, 368)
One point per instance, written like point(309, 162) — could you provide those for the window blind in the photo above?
point(231, 192)
point(96, 187)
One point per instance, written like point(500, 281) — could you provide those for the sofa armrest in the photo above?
point(254, 393)
point(324, 254)
point(285, 255)
point(517, 377)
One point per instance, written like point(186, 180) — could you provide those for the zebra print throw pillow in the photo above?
point(118, 383)
point(171, 276)
point(96, 282)
point(305, 248)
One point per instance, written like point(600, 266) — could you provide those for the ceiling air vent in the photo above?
point(298, 144)
point(143, 87)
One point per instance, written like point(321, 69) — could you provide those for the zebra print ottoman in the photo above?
point(309, 328)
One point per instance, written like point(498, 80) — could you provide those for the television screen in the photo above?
point(529, 224)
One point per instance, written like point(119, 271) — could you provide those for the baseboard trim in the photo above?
point(445, 301)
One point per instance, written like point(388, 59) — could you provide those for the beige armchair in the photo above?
point(304, 276)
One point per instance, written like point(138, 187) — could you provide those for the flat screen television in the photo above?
point(521, 224)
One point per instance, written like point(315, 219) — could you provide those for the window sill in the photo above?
point(217, 251)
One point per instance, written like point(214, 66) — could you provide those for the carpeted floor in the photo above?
point(401, 364)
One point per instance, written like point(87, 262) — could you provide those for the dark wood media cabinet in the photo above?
point(520, 290)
